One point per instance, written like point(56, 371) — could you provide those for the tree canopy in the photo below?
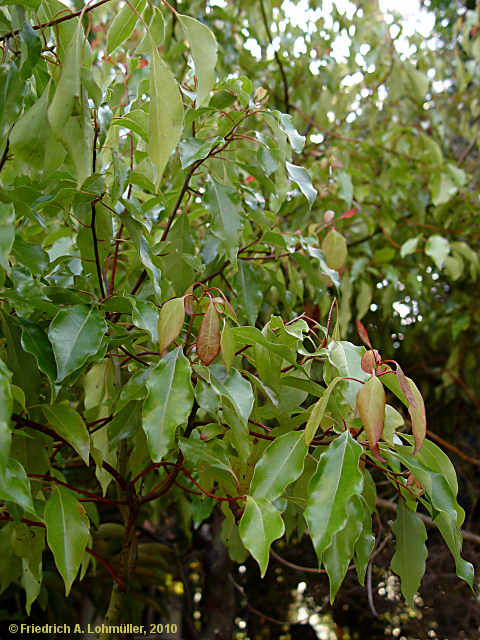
point(238, 256)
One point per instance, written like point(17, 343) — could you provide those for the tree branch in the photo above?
point(277, 58)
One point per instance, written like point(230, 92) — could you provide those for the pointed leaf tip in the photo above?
point(371, 407)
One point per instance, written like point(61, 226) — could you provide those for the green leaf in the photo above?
point(123, 24)
point(334, 246)
point(235, 388)
point(371, 407)
point(165, 122)
point(337, 479)
point(438, 249)
point(259, 526)
point(15, 486)
point(206, 455)
point(300, 176)
point(249, 289)
point(208, 339)
point(6, 408)
point(318, 411)
point(7, 233)
point(35, 341)
point(280, 465)
point(338, 555)
point(442, 188)
point(170, 322)
point(69, 424)
point(168, 403)
point(75, 334)
point(364, 546)
point(227, 223)
point(193, 149)
point(203, 47)
point(285, 124)
point(67, 532)
point(418, 416)
point(124, 425)
point(408, 561)
point(409, 247)
point(227, 345)
point(145, 316)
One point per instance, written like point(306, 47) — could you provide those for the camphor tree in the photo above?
point(177, 273)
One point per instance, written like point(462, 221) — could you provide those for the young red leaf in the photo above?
point(416, 409)
point(370, 360)
point(170, 322)
point(349, 213)
point(371, 407)
point(405, 387)
point(363, 333)
point(208, 339)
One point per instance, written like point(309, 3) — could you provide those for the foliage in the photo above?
point(172, 251)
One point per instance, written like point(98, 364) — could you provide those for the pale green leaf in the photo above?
point(69, 424)
point(409, 247)
point(227, 223)
point(168, 403)
point(203, 47)
point(300, 176)
point(337, 479)
point(7, 233)
point(67, 532)
point(170, 322)
point(123, 24)
point(6, 408)
point(438, 249)
point(408, 561)
point(165, 123)
point(280, 465)
point(318, 411)
point(15, 486)
point(260, 525)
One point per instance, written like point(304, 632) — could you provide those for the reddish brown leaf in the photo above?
point(371, 407)
point(405, 387)
point(416, 409)
point(363, 333)
point(349, 213)
point(369, 361)
point(208, 339)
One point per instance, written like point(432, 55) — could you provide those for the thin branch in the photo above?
point(94, 215)
point(107, 566)
point(44, 25)
point(277, 58)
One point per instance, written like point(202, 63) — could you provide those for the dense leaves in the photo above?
point(187, 230)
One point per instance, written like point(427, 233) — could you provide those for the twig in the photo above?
point(44, 25)
point(277, 59)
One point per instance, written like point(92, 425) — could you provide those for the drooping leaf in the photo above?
point(208, 339)
point(334, 246)
point(35, 341)
point(168, 403)
point(280, 465)
point(227, 223)
point(145, 316)
point(259, 526)
point(371, 407)
point(248, 285)
point(165, 123)
point(123, 24)
point(15, 485)
point(69, 424)
point(438, 249)
point(6, 408)
point(300, 176)
point(67, 532)
point(318, 411)
point(418, 416)
point(408, 561)
point(203, 47)
point(337, 479)
point(227, 345)
point(338, 554)
point(75, 334)
point(7, 233)
point(170, 322)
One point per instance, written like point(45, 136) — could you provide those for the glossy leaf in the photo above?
point(6, 408)
point(75, 334)
point(35, 341)
point(259, 526)
point(280, 465)
point(15, 486)
point(318, 412)
point(227, 223)
point(371, 407)
point(227, 345)
point(67, 532)
point(300, 176)
point(418, 417)
point(208, 339)
point(339, 553)
point(408, 561)
point(165, 122)
point(145, 316)
point(203, 47)
point(170, 322)
point(337, 479)
point(168, 403)
point(69, 424)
